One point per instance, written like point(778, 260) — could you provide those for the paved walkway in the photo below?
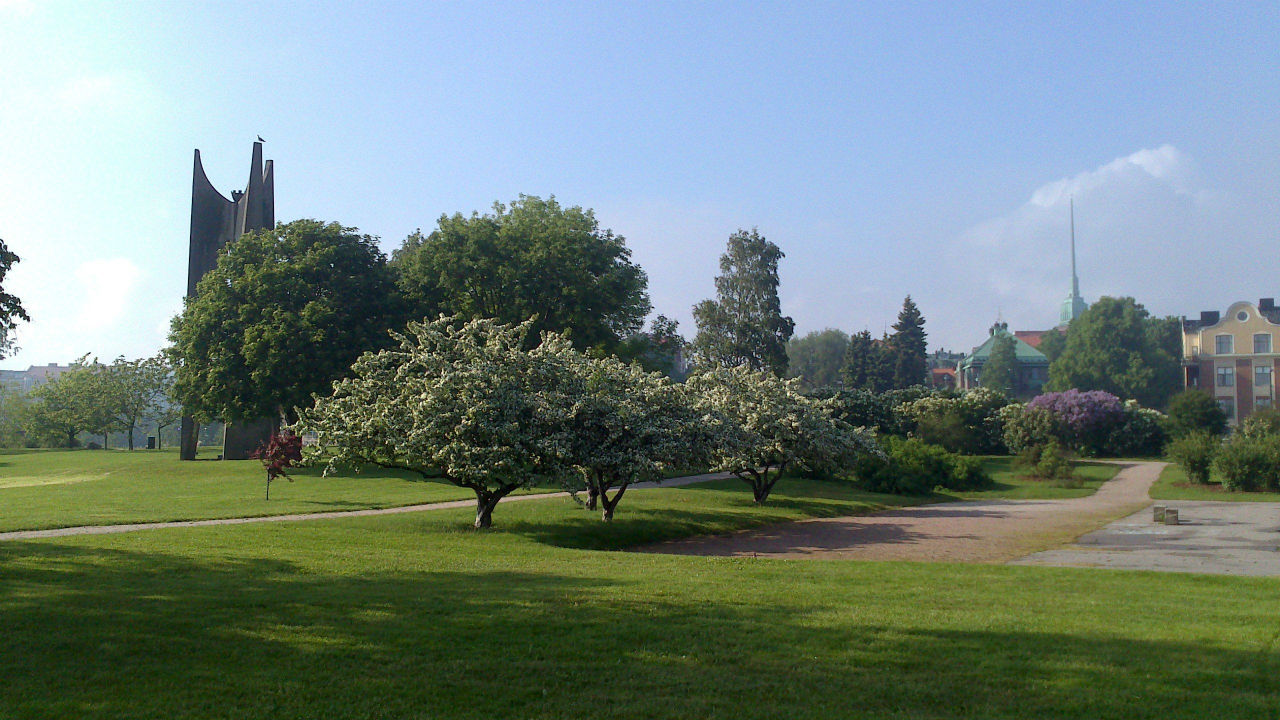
point(990, 531)
point(1230, 538)
point(111, 529)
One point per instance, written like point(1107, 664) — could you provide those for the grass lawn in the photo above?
point(1009, 482)
point(1174, 485)
point(416, 616)
point(62, 488)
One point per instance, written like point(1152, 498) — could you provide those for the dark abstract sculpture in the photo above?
point(216, 221)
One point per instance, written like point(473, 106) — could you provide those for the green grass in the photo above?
point(1174, 485)
point(62, 488)
point(415, 616)
point(1009, 482)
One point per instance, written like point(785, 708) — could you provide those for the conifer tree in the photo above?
point(908, 347)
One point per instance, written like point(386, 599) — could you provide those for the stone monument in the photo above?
point(216, 221)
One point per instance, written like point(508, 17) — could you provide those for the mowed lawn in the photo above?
point(64, 488)
point(1174, 485)
point(1010, 482)
point(417, 616)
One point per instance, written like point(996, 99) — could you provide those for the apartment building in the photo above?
point(1233, 356)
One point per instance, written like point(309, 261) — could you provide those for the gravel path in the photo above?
point(111, 529)
point(989, 531)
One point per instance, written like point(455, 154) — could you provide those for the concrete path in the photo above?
point(111, 529)
point(1231, 538)
point(990, 531)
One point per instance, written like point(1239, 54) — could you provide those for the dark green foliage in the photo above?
point(1054, 465)
point(914, 467)
point(532, 258)
point(968, 423)
point(1140, 433)
point(817, 358)
point(1000, 372)
point(1262, 424)
point(657, 350)
point(744, 325)
point(1195, 411)
point(1052, 343)
point(1195, 452)
point(11, 310)
point(1117, 347)
point(868, 364)
point(1249, 464)
point(859, 408)
point(908, 347)
point(283, 314)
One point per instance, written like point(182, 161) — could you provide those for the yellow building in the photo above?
point(1233, 356)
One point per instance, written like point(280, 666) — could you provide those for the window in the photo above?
point(1226, 376)
point(1242, 316)
point(1228, 406)
point(1224, 345)
point(1262, 343)
point(1262, 375)
point(1262, 403)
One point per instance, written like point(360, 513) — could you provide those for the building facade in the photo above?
point(1233, 356)
point(1032, 365)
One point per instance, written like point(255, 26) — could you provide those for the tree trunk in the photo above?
point(268, 488)
point(485, 502)
point(104, 441)
point(763, 485)
point(592, 494)
point(611, 504)
point(131, 429)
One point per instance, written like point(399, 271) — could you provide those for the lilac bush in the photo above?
point(1083, 420)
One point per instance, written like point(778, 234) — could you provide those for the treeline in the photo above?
point(831, 358)
point(123, 398)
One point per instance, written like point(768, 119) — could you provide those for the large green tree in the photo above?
point(868, 364)
point(531, 259)
point(817, 358)
point(744, 325)
point(11, 310)
point(1117, 346)
point(282, 315)
point(463, 403)
point(1000, 371)
point(659, 349)
point(909, 347)
point(81, 399)
point(140, 390)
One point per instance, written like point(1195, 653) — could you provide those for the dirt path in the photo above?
point(111, 529)
point(989, 531)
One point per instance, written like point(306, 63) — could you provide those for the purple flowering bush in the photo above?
point(1090, 422)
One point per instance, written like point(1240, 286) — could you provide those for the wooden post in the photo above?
point(1157, 513)
point(1171, 516)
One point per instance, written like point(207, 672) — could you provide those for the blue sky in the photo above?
point(927, 149)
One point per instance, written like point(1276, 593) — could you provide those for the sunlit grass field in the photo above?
point(1174, 485)
point(418, 616)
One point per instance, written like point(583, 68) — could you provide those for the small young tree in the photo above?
point(139, 390)
point(283, 450)
point(629, 426)
point(1000, 372)
point(461, 402)
point(769, 427)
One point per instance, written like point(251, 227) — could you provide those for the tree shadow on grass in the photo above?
point(98, 633)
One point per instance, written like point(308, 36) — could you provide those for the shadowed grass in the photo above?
point(418, 617)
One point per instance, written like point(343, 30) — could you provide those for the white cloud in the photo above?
point(1148, 225)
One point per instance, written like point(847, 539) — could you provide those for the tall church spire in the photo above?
point(1073, 305)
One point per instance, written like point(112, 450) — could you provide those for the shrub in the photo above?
point(1262, 424)
point(1195, 452)
point(1054, 465)
point(969, 422)
point(859, 408)
point(914, 467)
point(1140, 433)
point(1192, 410)
point(1026, 428)
point(1083, 420)
point(1249, 464)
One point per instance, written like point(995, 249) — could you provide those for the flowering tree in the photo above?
point(767, 426)
point(628, 426)
point(463, 402)
point(280, 452)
